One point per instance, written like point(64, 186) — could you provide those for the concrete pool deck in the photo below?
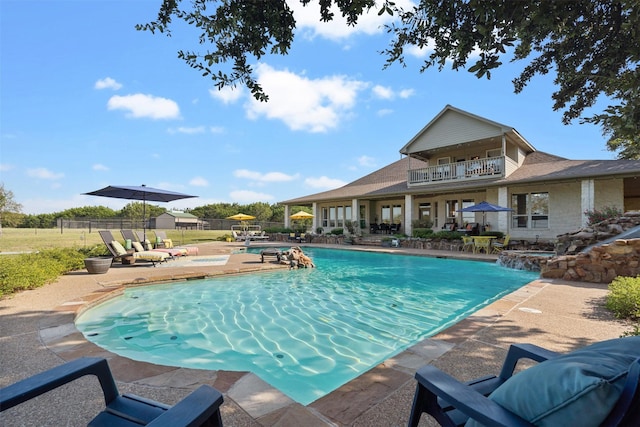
point(37, 332)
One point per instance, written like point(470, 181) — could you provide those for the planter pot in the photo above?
point(98, 265)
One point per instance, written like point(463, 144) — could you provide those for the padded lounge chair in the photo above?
point(161, 237)
point(147, 246)
point(119, 252)
point(597, 385)
point(200, 408)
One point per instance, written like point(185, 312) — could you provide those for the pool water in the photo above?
point(306, 332)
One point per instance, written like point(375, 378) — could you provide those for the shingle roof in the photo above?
point(538, 167)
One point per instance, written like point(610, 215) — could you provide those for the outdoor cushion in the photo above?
point(117, 246)
point(137, 246)
point(576, 389)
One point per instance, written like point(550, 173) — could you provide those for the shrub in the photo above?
point(29, 271)
point(337, 231)
point(422, 233)
point(607, 212)
point(448, 235)
point(624, 297)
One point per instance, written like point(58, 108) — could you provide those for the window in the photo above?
point(468, 217)
point(494, 153)
point(363, 217)
point(385, 218)
point(530, 210)
point(451, 207)
point(397, 214)
point(337, 216)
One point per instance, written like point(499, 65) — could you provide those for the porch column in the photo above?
point(287, 220)
point(587, 198)
point(355, 213)
point(503, 217)
point(408, 214)
point(314, 221)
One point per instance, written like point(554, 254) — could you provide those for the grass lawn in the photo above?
point(32, 239)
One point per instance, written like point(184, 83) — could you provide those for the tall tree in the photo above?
point(7, 204)
point(593, 46)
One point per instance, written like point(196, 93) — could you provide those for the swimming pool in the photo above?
point(306, 332)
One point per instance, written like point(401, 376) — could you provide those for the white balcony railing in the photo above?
point(487, 168)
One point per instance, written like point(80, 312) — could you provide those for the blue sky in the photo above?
point(87, 101)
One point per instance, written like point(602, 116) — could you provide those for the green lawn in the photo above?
point(31, 239)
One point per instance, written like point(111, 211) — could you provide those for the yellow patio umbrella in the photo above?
point(241, 217)
point(301, 215)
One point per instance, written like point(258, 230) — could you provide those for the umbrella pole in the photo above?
point(144, 214)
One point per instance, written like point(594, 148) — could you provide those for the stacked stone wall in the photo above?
point(574, 242)
point(601, 264)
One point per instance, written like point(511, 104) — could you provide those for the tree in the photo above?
point(7, 204)
point(593, 46)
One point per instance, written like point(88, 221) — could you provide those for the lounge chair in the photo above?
point(501, 246)
point(200, 408)
point(597, 385)
point(238, 237)
point(161, 238)
point(146, 244)
point(119, 252)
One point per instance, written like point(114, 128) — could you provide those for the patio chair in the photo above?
point(119, 252)
point(161, 238)
point(467, 244)
point(147, 246)
point(501, 246)
point(597, 385)
point(200, 408)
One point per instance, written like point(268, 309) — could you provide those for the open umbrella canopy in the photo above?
point(485, 207)
point(139, 192)
point(301, 215)
point(241, 217)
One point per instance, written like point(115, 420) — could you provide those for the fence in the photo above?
point(131, 224)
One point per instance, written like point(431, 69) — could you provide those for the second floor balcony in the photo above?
point(477, 169)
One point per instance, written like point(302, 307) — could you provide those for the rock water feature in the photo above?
point(524, 260)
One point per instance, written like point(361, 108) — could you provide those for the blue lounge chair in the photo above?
point(200, 408)
point(596, 385)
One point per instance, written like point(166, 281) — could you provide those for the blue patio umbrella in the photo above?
point(139, 192)
point(485, 207)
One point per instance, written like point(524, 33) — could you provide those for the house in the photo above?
point(176, 220)
point(459, 159)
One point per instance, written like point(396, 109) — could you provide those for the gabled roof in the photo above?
point(453, 126)
point(181, 215)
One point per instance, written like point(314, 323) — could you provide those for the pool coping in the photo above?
point(245, 393)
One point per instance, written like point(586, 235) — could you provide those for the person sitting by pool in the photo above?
point(475, 231)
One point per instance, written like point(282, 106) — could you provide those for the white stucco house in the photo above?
point(459, 159)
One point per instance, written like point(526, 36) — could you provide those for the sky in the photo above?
point(87, 101)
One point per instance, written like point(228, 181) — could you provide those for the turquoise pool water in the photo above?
point(305, 332)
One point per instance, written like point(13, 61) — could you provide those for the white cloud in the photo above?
point(140, 105)
point(99, 167)
point(406, 93)
point(227, 95)
point(4, 167)
point(44, 173)
point(216, 129)
point(264, 177)
point(367, 161)
point(107, 83)
point(384, 112)
point(324, 182)
point(313, 105)
point(199, 181)
point(308, 21)
point(382, 92)
point(187, 130)
point(246, 196)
